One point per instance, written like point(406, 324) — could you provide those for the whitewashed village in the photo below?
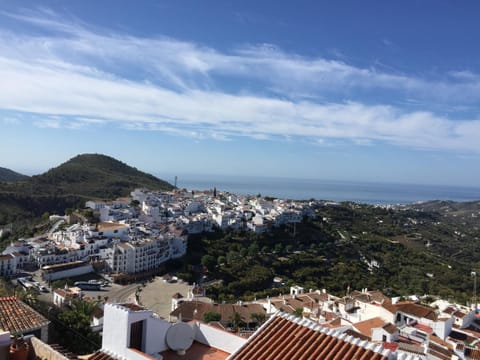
point(136, 239)
point(136, 235)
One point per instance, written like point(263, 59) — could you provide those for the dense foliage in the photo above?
point(76, 321)
point(348, 245)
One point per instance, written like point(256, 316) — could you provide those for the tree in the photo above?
point(298, 312)
point(77, 336)
point(259, 318)
point(30, 296)
point(278, 248)
point(211, 316)
point(236, 320)
point(209, 262)
point(221, 260)
point(253, 249)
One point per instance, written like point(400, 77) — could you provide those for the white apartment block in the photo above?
point(145, 255)
point(8, 265)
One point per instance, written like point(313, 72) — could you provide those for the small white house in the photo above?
point(133, 332)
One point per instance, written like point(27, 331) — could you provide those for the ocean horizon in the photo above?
point(304, 189)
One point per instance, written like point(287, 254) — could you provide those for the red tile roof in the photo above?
point(18, 317)
point(195, 310)
point(424, 328)
point(390, 328)
point(390, 346)
point(197, 351)
point(417, 310)
point(439, 352)
point(287, 337)
point(132, 306)
point(472, 353)
point(365, 327)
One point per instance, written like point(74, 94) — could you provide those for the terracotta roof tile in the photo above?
point(439, 352)
point(133, 307)
point(286, 337)
point(365, 327)
point(417, 310)
point(197, 351)
point(390, 328)
point(449, 310)
point(18, 317)
point(472, 353)
point(356, 334)
point(424, 328)
point(195, 310)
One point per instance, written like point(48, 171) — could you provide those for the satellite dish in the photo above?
point(179, 337)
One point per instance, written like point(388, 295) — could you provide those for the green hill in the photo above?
point(10, 175)
point(97, 176)
point(81, 178)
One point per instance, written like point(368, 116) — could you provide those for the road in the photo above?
point(115, 293)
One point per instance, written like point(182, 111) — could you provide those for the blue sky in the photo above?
point(348, 90)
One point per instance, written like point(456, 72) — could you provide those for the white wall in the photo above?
point(156, 331)
point(217, 338)
point(468, 319)
point(116, 332)
point(369, 311)
point(443, 328)
point(85, 269)
point(115, 329)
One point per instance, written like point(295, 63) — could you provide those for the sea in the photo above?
point(305, 189)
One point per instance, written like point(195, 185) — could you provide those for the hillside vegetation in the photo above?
point(87, 176)
point(10, 175)
point(95, 176)
point(401, 251)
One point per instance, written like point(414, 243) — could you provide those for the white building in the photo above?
point(8, 265)
point(95, 205)
point(139, 256)
point(135, 333)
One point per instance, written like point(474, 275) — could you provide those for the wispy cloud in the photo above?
point(162, 84)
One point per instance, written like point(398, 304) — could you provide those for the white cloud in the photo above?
point(87, 79)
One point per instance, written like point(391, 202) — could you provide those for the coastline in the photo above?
point(304, 189)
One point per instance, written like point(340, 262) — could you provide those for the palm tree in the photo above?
point(259, 318)
point(236, 320)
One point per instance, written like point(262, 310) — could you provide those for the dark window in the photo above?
point(136, 335)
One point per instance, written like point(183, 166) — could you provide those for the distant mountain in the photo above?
point(10, 175)
point(444, 206)
point(98, 176)
point(87, 176)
